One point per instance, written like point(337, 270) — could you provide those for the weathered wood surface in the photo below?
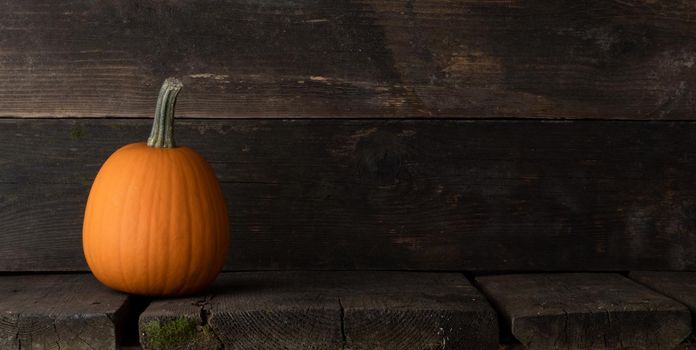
point(678, 285)
point(631, 59)
point(377, 194)
point(586, 311)
point(327, 310)
point(390, 310)
point(249, 311)
point(59, 311)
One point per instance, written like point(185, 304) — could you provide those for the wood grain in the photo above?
point(586, 311)
point(59, 311)
point(681, 286)
point(257, 311)
point(630, 59)
point(381, 194)
point(678, 285)
point(333, 310)
point(393, 311)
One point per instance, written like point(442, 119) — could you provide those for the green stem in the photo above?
point(162, 134)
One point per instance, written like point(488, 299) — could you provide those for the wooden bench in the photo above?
point(352, 310)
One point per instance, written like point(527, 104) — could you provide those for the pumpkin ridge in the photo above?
point(125, 180)
point(205, 199)
point(145, 278)
point(203, 182)
point(165, 184)
point(91, 220)
point(148, 176)
point(177, 168)
point(86, 225)
point(215, 193)
point(188, 230)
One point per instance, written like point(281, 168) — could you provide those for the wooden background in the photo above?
point(402, 135)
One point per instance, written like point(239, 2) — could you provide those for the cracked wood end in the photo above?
point(325, 310)
point(59, 312)
point(586, 310)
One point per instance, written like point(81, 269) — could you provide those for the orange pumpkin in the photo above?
point(156, 222)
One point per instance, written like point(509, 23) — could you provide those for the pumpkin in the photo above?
point(155, 222)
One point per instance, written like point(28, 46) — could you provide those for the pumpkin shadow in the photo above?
point(238, 286)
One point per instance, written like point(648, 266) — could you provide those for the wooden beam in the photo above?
point(60, 311)
point(247, 310)
point(326, 310)
point(681, 286)
point(415, 311)
point(350, 58)
point(678, 285)
point(586, 311)
point(377, 194)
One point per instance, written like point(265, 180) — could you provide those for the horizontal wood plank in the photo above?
point(381, 194)
point(327, 310)
point(351, 58)
point(59, 311)
point(393, 311)
point(681, 286)
point(678, 285)
point(586, 311)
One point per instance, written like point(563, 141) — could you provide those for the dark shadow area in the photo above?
point(506, 339)
point(127, 333)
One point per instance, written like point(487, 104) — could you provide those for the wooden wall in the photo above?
point(419, 135)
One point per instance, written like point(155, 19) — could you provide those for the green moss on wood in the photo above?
point(180, 333)
point(170, 335)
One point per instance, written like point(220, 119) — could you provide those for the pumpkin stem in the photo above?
point(162, 134)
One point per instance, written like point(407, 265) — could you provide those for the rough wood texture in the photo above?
point(600, 59)
point(59, 311)
point(250, 311)
point(377, 194)
point(678, 285)
point(586, 311)
point(393, 311)
point(328, 310)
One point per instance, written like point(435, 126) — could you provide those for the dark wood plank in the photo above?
point(327, 310)
point(248, 311)
point(586, 311)
point(678, 285)
point(378, 194)
point(59, 311)
point(567, 59)
point(392, 310)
